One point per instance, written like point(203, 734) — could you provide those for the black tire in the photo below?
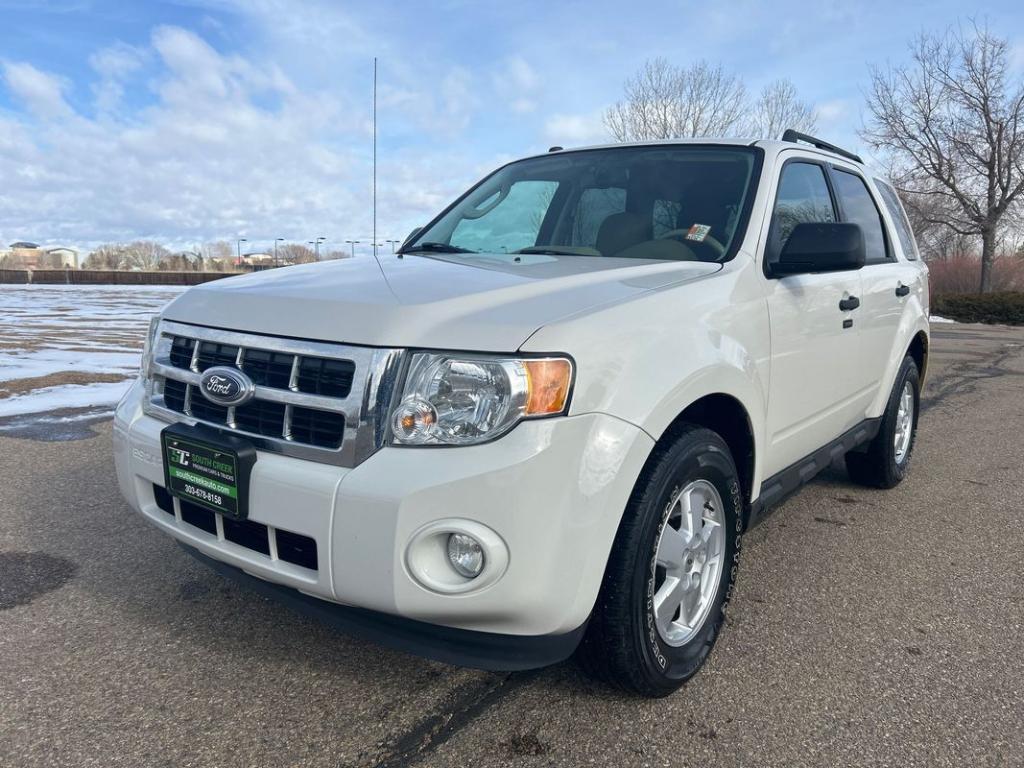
point(877, 466)
point(622, 644)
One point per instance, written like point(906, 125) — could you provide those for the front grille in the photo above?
point(324, 429)
point(181, 351)
point(314, 375)
point(268, 369)
point(204, 410)
point(294, 548)
point(211, 353)
point(315, 400)
point(261, 418)
point(321, 376)
point(174, 394)
point(317, 427)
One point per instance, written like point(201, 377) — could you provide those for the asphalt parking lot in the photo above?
point(868, 628)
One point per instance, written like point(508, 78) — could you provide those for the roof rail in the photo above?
point(795, 136)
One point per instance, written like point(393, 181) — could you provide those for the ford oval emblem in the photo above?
point(226, 386)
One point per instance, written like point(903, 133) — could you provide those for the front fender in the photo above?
point(646, 360)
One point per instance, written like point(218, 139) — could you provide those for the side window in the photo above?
point(594, 206)
point(507, 223)
point(859, 207)
point(899, 219)
point(802, 197)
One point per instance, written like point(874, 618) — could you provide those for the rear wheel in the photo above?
point(887, 459)
point(671, 571)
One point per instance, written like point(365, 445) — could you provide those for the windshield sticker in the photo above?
point(698, 232)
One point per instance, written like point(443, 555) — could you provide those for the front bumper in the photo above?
point(553, 490)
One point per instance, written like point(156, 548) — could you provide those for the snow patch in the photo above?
point(938, 319)
point(43, 362)
point(82, 329)
point(65, 396)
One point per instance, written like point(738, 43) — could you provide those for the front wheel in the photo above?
point(886, 460)
point(671, 570)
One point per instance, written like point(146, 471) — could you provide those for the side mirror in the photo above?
point(821, 247)
point(410, 238)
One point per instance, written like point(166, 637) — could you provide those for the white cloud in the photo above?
point(226, 146)
point(114, 65)
point(576, 129)
point(209, 159)
point(40, 92)
point(518, 84)
point(832, 113)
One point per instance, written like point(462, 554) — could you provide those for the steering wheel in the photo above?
point(681, 233)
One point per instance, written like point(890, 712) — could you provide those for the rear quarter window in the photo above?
point(899, 219)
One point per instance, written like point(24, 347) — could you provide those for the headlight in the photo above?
point(464, 400)
point(148, 345)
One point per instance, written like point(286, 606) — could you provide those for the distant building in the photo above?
point(63, 257)
point(26, 255)
point(257, 259)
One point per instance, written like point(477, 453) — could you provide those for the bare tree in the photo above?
point(183, 261)
point(952, 126)
point(144, 255)
point(138, 255)
point(777, 108)
point(107, 256)
point(294, 253)
point(663, 101)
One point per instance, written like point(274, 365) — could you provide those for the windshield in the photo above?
point(684, 203)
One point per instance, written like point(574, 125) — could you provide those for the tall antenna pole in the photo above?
point(374, 243)
point(375, 156)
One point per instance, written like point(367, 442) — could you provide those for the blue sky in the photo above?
point(192, 121)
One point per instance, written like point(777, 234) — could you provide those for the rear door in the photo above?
point(887, 281)
point(816, 390)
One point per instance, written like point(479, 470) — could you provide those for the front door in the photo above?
point(818, 387)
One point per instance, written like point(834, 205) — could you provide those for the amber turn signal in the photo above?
point(548, 385)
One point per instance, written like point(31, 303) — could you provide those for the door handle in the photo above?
point(847, 304)
point(902, 290)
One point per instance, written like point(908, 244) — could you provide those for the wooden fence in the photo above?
point(106, 277)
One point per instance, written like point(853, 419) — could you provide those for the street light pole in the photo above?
point(318, 241)
point(278, 240)
point(238, 251)
point(393, 243)
point(353, 243)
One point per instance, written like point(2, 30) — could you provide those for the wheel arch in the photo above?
point(918, 350)
point(727, 417)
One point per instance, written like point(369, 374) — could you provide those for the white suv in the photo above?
point(543, 426)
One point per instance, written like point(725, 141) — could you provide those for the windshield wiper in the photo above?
point(554, 250)
point(437, 248)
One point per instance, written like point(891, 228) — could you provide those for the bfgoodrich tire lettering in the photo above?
point(623, 644)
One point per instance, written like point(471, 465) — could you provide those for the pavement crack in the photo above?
point(461, 707)
point(962, 377)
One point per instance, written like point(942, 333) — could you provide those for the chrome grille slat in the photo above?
point(356, 418)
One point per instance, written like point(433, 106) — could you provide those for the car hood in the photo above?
point(444, 301)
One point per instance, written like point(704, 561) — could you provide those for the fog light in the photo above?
point(466, 555)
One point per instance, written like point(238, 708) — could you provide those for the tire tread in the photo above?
point(609, 650)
